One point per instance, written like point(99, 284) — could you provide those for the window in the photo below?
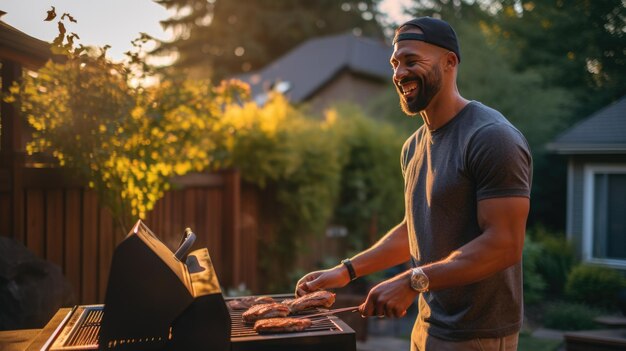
point(604, 215)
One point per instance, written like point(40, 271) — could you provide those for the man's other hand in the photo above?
point(336, 277)
point(390, 298)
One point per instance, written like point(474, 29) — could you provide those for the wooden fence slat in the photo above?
point(168, 213)
point(250, 233)
point(89, 283)
point(72, 265)
point(189, 215)
point(201, 229)
point(231, 224)
point(54, 226)
point(35, 222)
point(5, 215)
point(106, 241)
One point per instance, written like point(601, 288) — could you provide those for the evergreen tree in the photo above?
point(574, 44)
point(220, 38)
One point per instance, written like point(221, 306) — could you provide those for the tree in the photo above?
point(577, 45)
point(220, 38)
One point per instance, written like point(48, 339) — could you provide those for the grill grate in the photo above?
point(87, 333)
point(83, 329)
point(240, 329)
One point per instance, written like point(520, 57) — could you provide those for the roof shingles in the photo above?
point(602, 132)
point(317, 61)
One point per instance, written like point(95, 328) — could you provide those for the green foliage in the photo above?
point(594, 285)
point(343, 169)
point(371, 196)
point(570, 316)
point(528, 343)
point(534, 283)
point(386, 108)
point(221, 38)
point(556, 258)
point(295, 159)
point(590, 64)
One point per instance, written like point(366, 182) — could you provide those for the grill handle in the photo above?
point(185, 244)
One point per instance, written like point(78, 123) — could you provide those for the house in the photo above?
point(325, 70)
point(596, 185)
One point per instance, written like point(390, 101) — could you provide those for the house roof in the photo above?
point(312, 64)
point(602, 132)
point(20, 47)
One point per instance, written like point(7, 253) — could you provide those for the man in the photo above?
point(467, 174)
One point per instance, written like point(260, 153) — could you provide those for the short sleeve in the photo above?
point(499, 161)
point(408, 149)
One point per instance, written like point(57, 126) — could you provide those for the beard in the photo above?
point(427, 87)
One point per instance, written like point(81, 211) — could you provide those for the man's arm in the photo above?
point(392, 249)
point(503, 225)
point(503, 221)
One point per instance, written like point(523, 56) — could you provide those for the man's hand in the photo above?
point(336, 277)
point(390, 298)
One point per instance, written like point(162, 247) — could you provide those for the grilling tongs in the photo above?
point(329, 312)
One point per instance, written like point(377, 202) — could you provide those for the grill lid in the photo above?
point(155, 301)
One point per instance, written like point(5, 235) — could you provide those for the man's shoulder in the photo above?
point(482, 114)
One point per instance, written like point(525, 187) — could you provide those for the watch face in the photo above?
point(419, 280)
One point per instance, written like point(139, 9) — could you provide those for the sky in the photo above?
point(110, 22)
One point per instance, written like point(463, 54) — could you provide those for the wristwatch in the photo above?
point(419, 280)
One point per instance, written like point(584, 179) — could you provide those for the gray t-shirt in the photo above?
point(476, 156)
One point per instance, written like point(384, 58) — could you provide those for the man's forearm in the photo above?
point(391, 250)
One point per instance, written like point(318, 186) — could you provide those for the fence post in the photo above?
point(12, 153)
point(232, 232)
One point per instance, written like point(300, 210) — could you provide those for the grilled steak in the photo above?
point(246, 302)
point(266, 310)
point(281, 325)
point(319, 298)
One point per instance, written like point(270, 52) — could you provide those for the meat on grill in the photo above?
point(281, 325)
point(263, 311)
point(246, 302)
point(319, 298)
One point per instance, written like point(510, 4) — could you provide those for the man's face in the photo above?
point(417, 75)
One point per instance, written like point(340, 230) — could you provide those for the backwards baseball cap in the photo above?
point(434, 31)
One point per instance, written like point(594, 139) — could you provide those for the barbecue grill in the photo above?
point(155, 302)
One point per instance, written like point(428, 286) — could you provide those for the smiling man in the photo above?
point(467, 174)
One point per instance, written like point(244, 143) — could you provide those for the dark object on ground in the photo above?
point(31, 289)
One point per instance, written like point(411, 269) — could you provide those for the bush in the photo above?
point(556, 259)
point(594, 285)
point(534, 283)
point(570, 316)
point(371, 199)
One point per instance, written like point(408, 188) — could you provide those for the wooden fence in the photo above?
point(61, 221)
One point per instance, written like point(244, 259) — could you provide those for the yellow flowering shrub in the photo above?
point(127, 141)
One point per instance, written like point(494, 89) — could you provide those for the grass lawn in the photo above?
point(528, 343)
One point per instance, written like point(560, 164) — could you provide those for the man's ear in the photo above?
point(451, 61)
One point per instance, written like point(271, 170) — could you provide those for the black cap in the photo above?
point(435, 31)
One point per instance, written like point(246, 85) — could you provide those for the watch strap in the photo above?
point(348, 264)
